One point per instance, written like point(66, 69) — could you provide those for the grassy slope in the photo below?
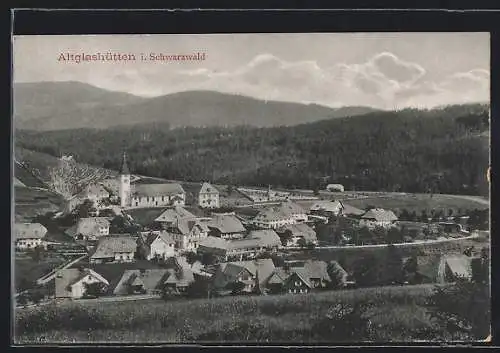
point(285, 318)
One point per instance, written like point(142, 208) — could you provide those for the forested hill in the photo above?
point(442, 150)
point(70, 105)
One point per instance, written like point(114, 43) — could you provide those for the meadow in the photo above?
point(393, 313)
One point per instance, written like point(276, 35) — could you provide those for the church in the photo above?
point(148, 195)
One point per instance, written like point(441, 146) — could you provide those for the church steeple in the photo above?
point(124, 169)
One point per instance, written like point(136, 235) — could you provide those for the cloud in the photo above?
point(383, 81)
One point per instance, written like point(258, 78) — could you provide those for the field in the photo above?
point(30, 202)
point(395, 313)
point(27, 270)
point(419, 202)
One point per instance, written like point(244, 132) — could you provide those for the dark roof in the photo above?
point(228, 272)
point(226, 224)
point(152, 190)
point(180, 277)
point(108, 246)
point(151, 279)
point(300, 229)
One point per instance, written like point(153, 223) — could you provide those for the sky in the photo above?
point(381, 70)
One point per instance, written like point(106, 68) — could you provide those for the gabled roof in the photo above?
point(300, 229)
point(151, 279)
point(171, 214)
point(380, 215)
point(108, 246)
point(427, 266)
point(351, 210)
point(206, 188)
point(229, 272)
point(308, 270)
point(150, 190)
point(69, 276)
point(261, 238)
point(182, 277)
point(226, 224)
point(326, 205)
point(459, 265)
point(29, 231)
point(214, 243)
point(88, 226)
point(185, 226)
point(163, 235)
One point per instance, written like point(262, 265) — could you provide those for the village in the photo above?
point(133, 237)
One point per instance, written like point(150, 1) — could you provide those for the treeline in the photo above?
point(442, 151)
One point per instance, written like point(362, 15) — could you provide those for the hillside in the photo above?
point(39, 100)
point(440, 151)
point(69, 105)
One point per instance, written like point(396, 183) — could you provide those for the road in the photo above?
point(418, 242)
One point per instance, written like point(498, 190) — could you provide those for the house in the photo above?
point(295, 234)
point(114, 249)
point(453, 267)
point(351, 211)
point(326, 208)
point(89, 228)
point(141, 281)
point(307, 276)
point(249, 247)
point(226, 226)
point(72, 282)
point(300, 277)
point(252, 274)
point(187, 233)
point(178, 280)
point(276, 217)
point(157, 195)
point(425, 269)
point(378, 217)
point(208, 197)
point(29, 235)
point(157, 244)
point(335, 187)
point(170, 216)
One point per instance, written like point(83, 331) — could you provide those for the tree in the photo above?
point(302, 243)
point(394, 236)
point(95, 289)
point(462, 310)
point(38, 253)
point(191, 257)
point(336, 274)
point(200, 288)
point(393, 266)
point(83, 210)
point(208, 259)
point(236, 287)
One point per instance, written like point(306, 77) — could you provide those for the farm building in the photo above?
point(251, 274)
point(335, 187)
point(295, 234)
point(72, 282)
point(378, 217)
point(226, 226)
point(249, 247)
point(29, 235)
point(141, 281)
point(277, 217)
point(168, 217)
point(89, 228)
point(114, 249)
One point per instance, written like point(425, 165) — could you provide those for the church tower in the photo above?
point(124, 183)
